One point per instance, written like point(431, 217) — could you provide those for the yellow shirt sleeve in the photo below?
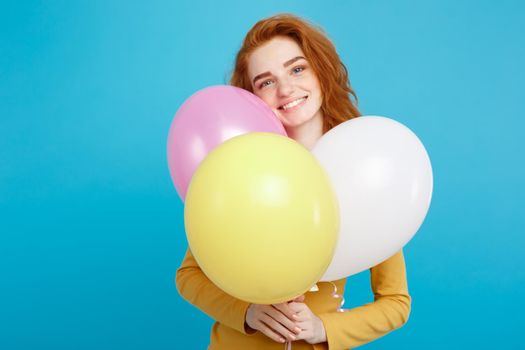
point(194, 286)
point(389, 311)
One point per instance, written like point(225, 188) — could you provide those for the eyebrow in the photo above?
point(285, 64)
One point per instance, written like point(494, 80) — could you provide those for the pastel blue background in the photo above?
point(91, 229)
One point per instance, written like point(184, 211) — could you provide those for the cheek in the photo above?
point(266, 96)
point(319, 94)
point(316, 86)
point(313, 83)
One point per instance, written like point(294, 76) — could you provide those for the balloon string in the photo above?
point(335, 295)
point(288, 345)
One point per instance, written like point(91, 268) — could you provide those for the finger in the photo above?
point(286, 310)
point(301, 317)
point(304, 326)
point(299, 299)
point(297, 308)
point(278, 328)
point(283, 320)
point(302, 335)
point(270, 333)
point(278, 315)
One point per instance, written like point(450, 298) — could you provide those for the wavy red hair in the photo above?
point(337, 105)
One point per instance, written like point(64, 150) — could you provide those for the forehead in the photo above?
point(271, 55)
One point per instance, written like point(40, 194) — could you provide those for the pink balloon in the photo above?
point(208, 118)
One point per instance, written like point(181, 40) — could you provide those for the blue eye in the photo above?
point(298, 69)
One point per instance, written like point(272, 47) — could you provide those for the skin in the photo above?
point(280, 75)
point(278, 322)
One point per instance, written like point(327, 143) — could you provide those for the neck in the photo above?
point(308, 133)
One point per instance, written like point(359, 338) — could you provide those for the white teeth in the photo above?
point(293, 103)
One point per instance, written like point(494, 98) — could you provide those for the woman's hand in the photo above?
point(277, 321)
point(312, 328)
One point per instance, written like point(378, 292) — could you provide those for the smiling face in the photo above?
point(282, 77)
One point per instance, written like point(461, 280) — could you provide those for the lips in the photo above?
point(292, 103)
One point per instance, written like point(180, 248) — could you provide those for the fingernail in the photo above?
point(281, 340)
point(295, 316)
point(292, 336)
point(297, 330)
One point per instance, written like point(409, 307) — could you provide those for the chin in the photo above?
point(296, 122)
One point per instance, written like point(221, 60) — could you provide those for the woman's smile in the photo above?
point(293, 105)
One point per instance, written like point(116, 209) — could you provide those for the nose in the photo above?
point(285, 88)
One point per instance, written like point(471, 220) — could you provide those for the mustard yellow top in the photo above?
point(354, 327)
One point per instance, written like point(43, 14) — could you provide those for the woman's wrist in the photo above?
point(321, 336)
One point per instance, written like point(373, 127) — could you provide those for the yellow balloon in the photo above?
point(261, 218)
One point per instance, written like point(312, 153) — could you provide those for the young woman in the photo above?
point(295, 69)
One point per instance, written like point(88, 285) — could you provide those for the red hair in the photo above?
point(337, 105)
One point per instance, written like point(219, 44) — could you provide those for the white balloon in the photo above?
point(382, 176)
